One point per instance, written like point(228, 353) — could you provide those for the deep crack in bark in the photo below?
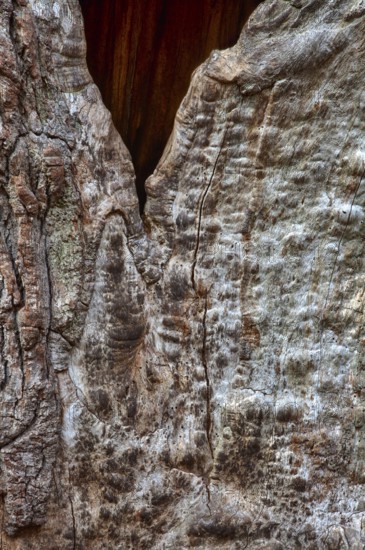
point(201, 207)
point(208, 425)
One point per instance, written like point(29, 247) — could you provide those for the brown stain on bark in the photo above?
point(141, 54)
point(250, 331)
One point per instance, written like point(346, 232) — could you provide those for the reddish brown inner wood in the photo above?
point(141, 54)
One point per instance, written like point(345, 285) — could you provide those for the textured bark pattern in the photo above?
point(198, 383)
point(70, 294)
point(141, 54)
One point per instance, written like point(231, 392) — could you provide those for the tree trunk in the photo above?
point(141, 54)
point(194, 379)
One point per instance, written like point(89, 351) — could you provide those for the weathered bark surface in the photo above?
point(196, 381)
point(141, 54)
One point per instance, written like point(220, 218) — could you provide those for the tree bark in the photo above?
point(194, 379)
point(141, 54)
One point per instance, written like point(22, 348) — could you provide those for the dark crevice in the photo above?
point(73, 523)
point(141, 54)
point(201, 208)
point(4, 374)
point(208, 426)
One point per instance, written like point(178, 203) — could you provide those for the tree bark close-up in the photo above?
point(188, 372)
point(141, 55)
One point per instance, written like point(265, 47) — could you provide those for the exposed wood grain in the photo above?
point(141, 54)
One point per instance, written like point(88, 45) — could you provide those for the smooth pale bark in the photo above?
point(195, 380)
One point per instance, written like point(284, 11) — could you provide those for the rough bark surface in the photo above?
point(141, 54)
point(196, 380)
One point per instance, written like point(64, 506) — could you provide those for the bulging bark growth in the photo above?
point(141, 54)
point(196, 381)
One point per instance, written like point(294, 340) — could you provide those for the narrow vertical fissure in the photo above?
point(4, 363)
point(208, 424)
point(73, 523)
point(200, 211)
point(147, 81)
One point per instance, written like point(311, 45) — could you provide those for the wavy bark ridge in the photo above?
point(202, 384)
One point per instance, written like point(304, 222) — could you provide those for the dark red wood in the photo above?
point(141, 54)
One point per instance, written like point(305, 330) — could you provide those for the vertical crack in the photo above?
point(73, 522)
point(2, 529)
point(50, 302)
point(207, 488)
point(201, 207)
point(72, 510)
point(208, 424)
point(3, 360)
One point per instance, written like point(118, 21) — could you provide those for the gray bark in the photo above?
point(195, 379)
